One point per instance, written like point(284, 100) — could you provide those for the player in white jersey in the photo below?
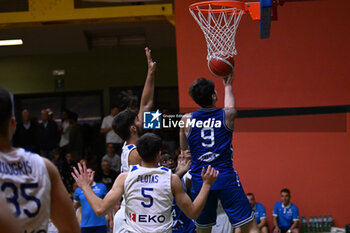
point(128, 125)
point(148, 191)
point(119, 217)
point(30, 184)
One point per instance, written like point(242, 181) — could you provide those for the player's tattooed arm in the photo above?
point(134, 157)
point(230, 104)
point(193, 209)
point(100, 206)
point(62, 212)
point(183, 133)
point(147, 98)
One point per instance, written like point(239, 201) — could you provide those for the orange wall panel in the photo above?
point(304, 62)
point(313, 165)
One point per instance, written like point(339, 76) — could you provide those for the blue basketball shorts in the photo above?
point(235, 203)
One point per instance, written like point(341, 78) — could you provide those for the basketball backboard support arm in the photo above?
point(265, 18)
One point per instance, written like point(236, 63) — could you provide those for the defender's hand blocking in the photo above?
point(82, 177)
point(151, 64)
point(210, 176)
point(183, 166)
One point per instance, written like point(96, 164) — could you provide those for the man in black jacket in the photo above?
point(48, 135)
point(25, 134)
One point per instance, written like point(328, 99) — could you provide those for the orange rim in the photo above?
point(253, 8)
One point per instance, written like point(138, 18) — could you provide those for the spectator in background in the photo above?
point(48, 135)
point(259, 213)
point(113, 158)
point(106, 128)
point(76, 143)
point(169, 136)
point(285, 215)
point(107, 176)
point(90, 222)
point(25, 134)
point(50, 113)
point(65, 131)
point(56, 160)
point(67, 169)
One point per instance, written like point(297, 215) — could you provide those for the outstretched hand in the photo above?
point(83, 177)
point(151, 64)
point(183, 166)
point(210, 176)
point(229, 79)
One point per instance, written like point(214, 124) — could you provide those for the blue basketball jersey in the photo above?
point(181, 223)
point(210, 143)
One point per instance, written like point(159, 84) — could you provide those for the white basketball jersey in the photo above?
point(25, 185)
point(149, 199)
point(125, 156)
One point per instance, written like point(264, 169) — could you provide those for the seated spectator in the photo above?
point(67, 169)
point(181, 223)
point(76, 142)
point(113, 158)
point(25, 134)
point(107, 176)
point(259, 214)
point(285, 215)
point(57, 161)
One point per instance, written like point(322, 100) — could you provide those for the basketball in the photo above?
point(221, 67)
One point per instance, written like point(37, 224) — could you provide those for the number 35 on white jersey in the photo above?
point(148, 200)
point(25, 185)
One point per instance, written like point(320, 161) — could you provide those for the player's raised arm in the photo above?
point(100, 206)
point(62, 212)
point(193, 209)
point(183, 133)
point(230, 104)
point(147, 97)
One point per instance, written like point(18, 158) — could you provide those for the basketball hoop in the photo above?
point(219, 21)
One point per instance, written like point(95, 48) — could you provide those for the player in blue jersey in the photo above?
point(90, 222)
point(181, 223)
point(207, 133)
point(285, 215)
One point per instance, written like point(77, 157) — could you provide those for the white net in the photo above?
point(219, 26)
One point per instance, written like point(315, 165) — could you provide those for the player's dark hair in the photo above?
point(122, 123)
point(285, 190)
point(148, 146)
point(250, 194)
point(5, 111)
point(201, 92)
